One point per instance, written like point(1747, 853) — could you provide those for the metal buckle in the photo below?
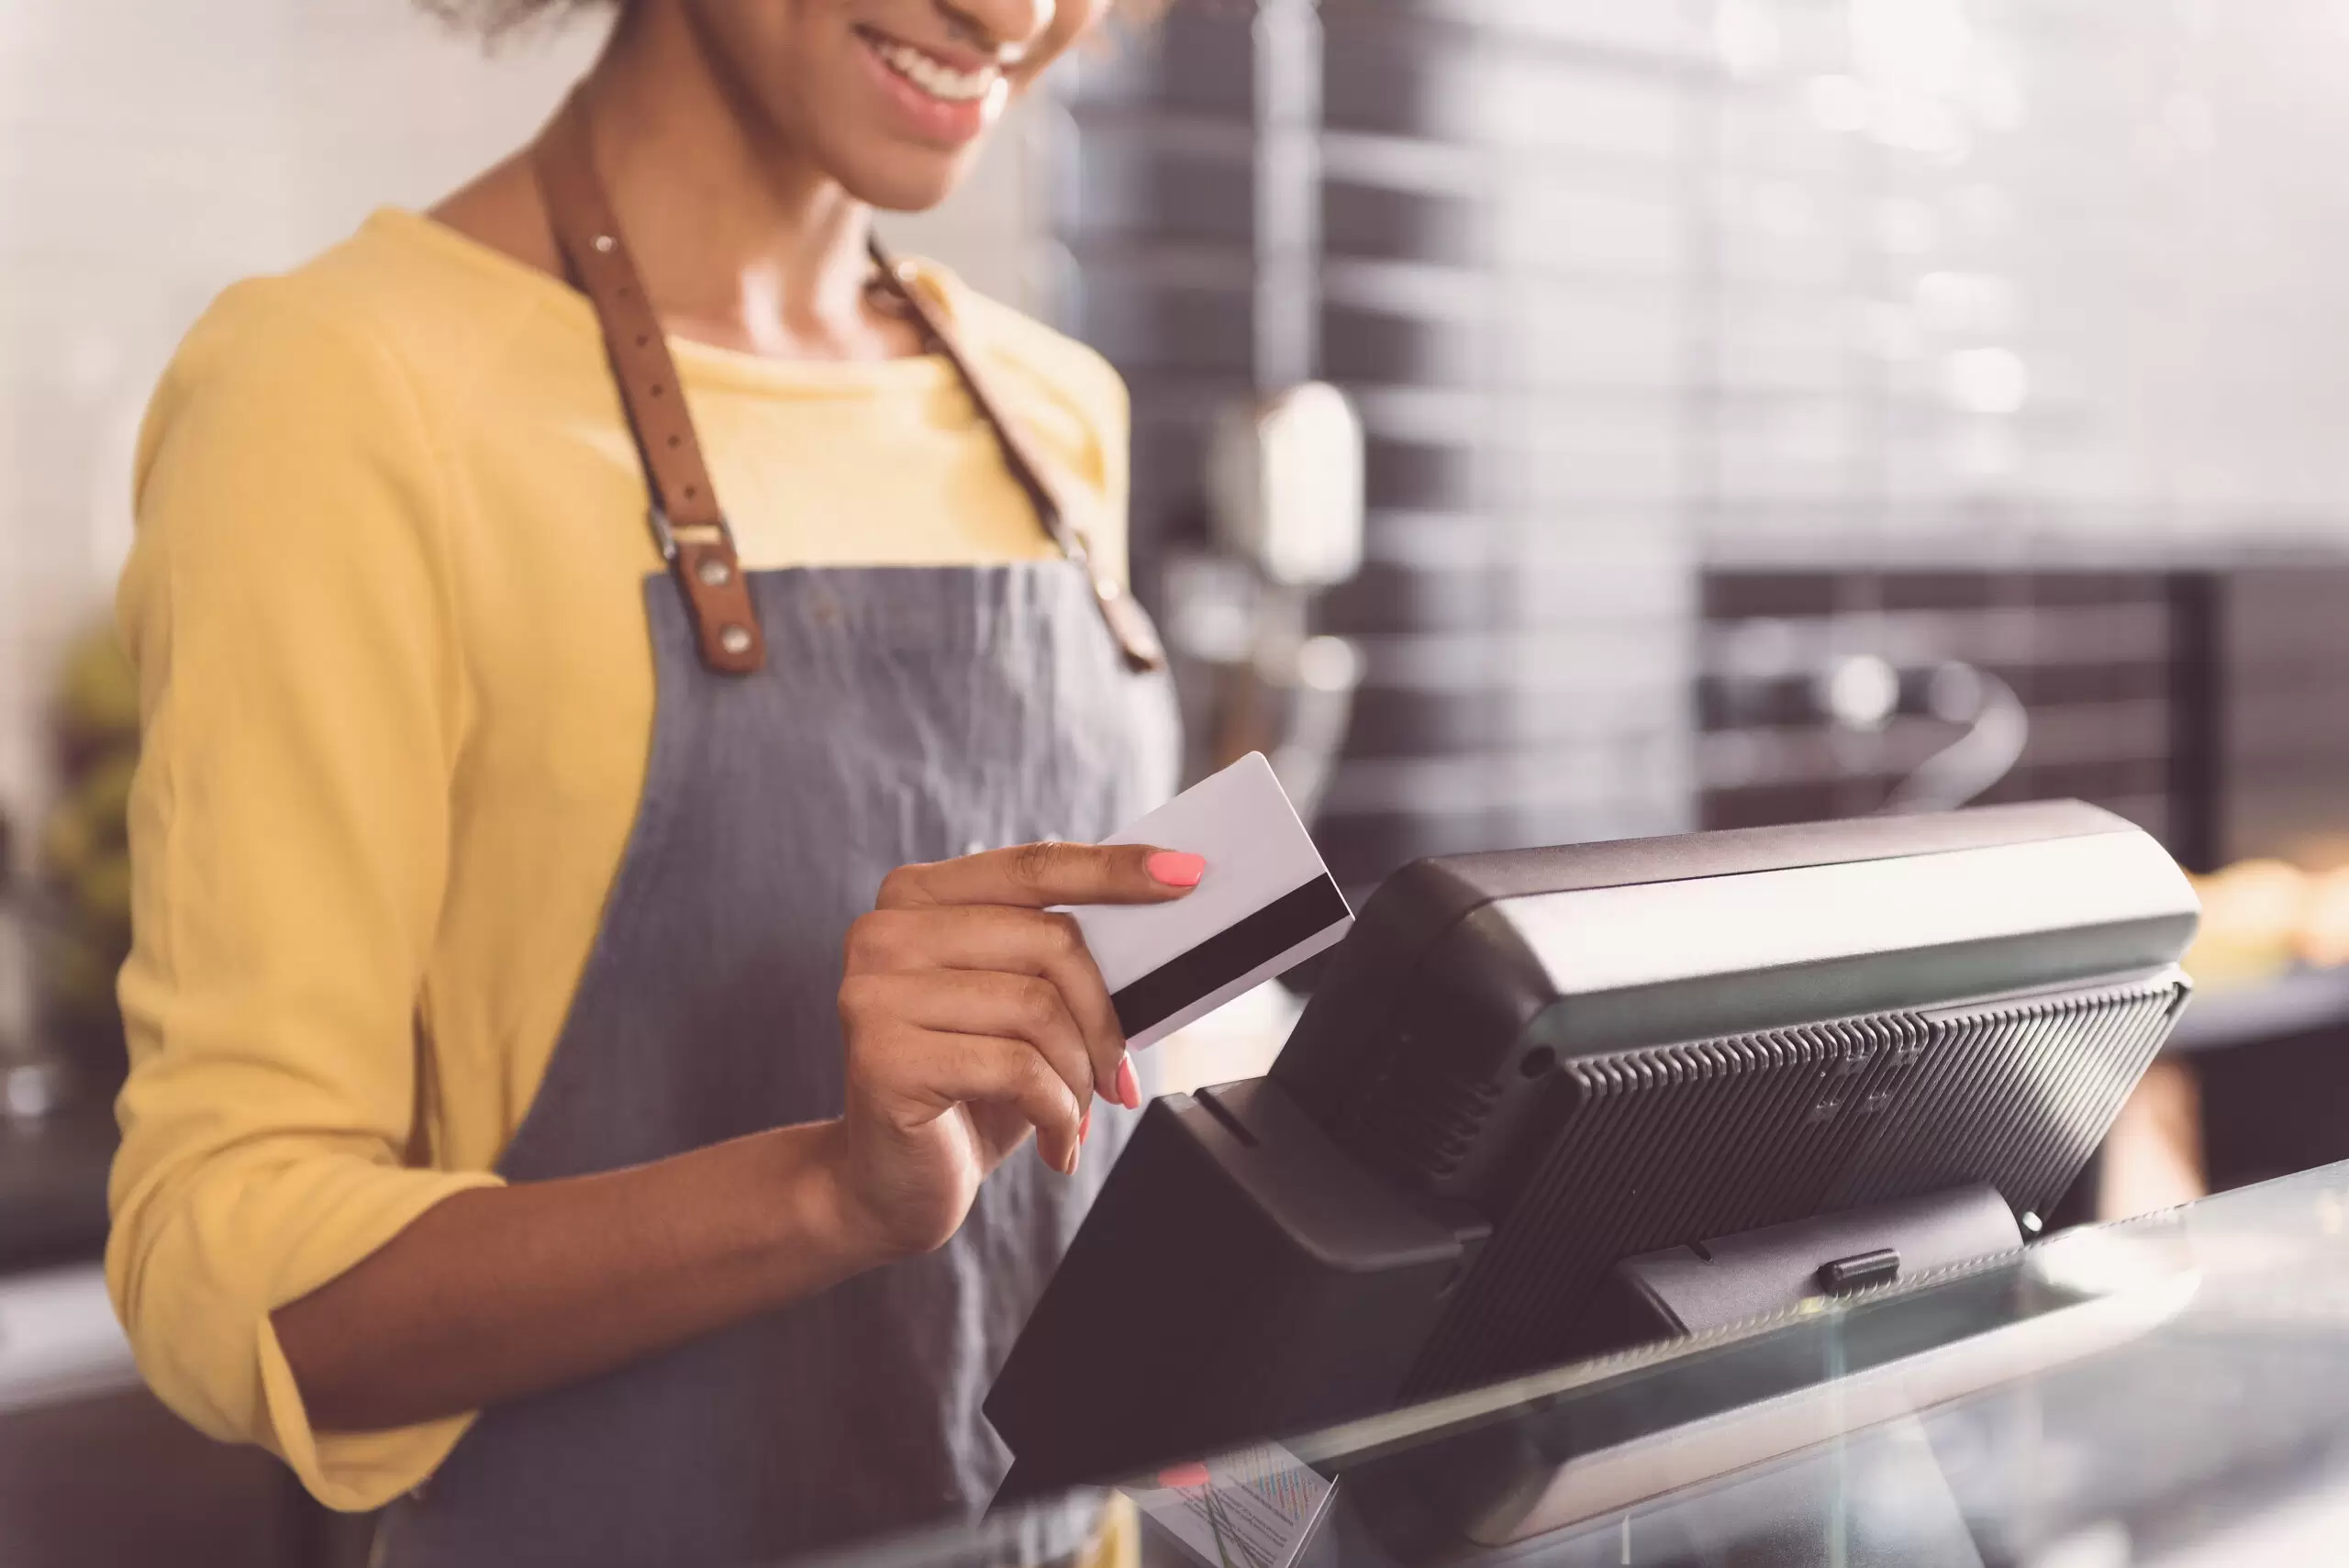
point(663, 534)
point(671, 539)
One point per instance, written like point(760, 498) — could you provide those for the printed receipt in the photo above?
point(1256, 1507)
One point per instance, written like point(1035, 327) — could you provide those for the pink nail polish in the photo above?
point(1128, 1086)
point(1085, 1124)
point(1176, 869)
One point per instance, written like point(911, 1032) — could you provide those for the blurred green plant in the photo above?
point(84, 857)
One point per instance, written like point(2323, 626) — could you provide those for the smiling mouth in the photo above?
point(932, 74)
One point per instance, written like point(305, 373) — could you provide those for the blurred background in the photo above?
point(1554, 420)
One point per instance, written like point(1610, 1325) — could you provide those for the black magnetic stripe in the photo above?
point(1229, 953)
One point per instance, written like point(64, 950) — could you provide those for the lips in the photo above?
point(940, 79)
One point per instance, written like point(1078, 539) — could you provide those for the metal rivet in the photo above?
point(1109, 587)
point(604, 243)
point(714, 570)
point(975, 847)
point(734, 639)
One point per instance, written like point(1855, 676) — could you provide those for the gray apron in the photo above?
point(904, 715)
point(813, 730)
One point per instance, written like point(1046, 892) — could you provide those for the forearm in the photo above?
point(503, 1292)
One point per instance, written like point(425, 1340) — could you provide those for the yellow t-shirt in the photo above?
point(386, 606)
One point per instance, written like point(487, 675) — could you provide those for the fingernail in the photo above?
point(1128, 1086)
point(1070, 1169)
point(1085, 1124)
point(1176, 869)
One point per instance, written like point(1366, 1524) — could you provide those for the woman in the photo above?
point(507, 1134)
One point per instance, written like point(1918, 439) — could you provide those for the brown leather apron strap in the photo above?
point(685, 516)
point(1135, 636)
point(687, 520)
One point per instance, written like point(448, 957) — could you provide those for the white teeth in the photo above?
point(933, 76)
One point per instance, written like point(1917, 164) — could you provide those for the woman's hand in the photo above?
point(973, 1015)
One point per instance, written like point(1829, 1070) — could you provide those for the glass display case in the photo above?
point(2172, 1390)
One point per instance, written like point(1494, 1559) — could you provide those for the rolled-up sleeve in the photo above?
point(303, 708)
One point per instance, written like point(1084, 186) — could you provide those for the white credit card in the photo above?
point(1265, 904)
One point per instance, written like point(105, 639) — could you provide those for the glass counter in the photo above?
point(2172, 1390)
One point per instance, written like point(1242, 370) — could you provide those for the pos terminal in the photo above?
point(1553, 1103)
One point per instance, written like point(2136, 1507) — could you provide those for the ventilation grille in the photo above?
point(1675, 1143)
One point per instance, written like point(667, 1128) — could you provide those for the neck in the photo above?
point(742, 240)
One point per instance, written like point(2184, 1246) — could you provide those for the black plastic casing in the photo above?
point(1434, 996)
point(1239, 1272)
point(1726, 1280)
point(1522, 1069)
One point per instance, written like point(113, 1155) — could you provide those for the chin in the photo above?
point(913, 181)
point(904, 191)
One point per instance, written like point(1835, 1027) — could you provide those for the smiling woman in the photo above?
point(632, 639)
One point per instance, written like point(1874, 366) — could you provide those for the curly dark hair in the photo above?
point(492, 18)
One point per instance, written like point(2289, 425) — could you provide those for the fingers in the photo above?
point(1010, 941)
point(976, 951)
point(1037, 876)
point(988, 1071)
point(1025, 1010)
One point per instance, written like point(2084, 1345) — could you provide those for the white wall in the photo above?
point(151, 152)
point(2130, 213)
